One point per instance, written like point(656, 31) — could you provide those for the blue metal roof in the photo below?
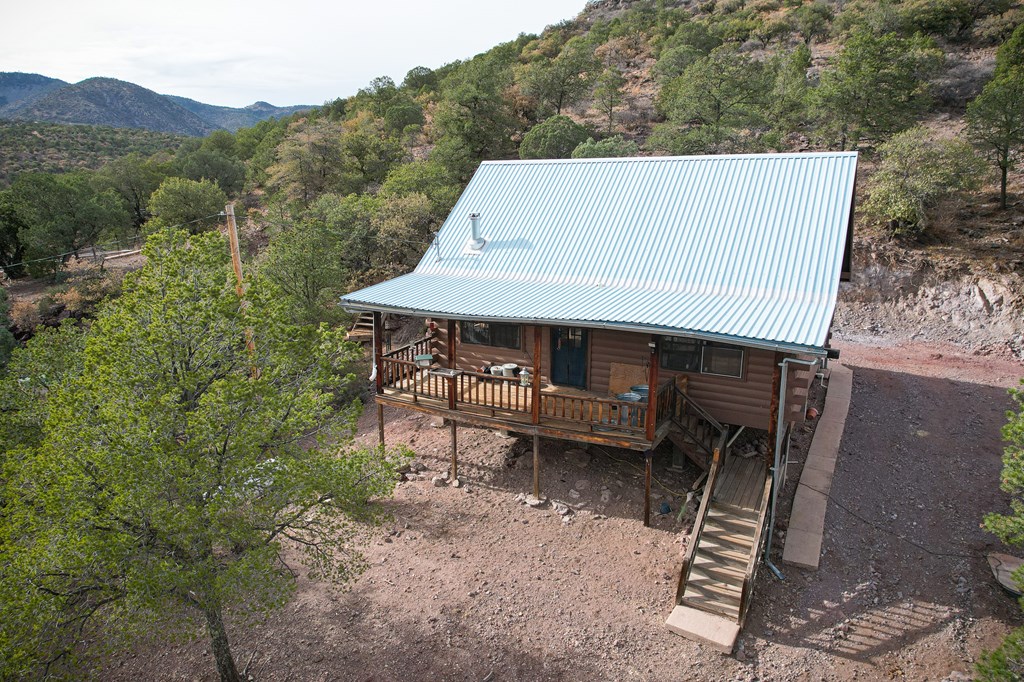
point(740, 247)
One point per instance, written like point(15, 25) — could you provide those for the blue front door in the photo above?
point(569, 356)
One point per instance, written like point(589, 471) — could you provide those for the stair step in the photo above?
point(698, 625)
point(712, 605)
point(716, 552)
point(727, 570)
point(701, 581)
point(727, 520)
point(741, 512)
point(727, 536)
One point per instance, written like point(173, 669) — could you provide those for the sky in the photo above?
point(235, 53)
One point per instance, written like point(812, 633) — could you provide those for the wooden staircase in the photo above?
point(362, 328)
point(720, 566)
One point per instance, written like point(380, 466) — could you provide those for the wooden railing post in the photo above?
point(535, 398)
point(451, 365)
point(652, 390)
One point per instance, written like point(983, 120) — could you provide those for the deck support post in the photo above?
point(773, 411)
point(648, 457)
point(378, 333)
point(536, 466)
point(380, 424)
point(455, 455)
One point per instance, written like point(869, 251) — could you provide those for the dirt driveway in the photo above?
point(472, 584)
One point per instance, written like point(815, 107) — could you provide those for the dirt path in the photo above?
point(472, 584)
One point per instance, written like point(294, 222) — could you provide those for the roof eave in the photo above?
point(799, 349)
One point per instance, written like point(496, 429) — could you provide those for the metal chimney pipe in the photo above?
point(474, 224)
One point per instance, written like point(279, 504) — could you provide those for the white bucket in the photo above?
point(497, 370)
point(509, 369)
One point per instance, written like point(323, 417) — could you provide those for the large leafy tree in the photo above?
point(64, 213)
point(180, 202)
point(309, 161)
point(995, 121)
point(915, 172)
point(555, 138)
point(175, 467)
point(135, 178)
point(1007, 662)
point(711, 102)
point(473, 121)
point(877, 87)
point(562, 81)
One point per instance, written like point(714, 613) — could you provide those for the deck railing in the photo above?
point(407, 377)
point(481, 390)
point(409, 351)
point(599, 413)
point(493, 392)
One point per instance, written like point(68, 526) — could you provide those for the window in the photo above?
point(705, 357)
point(491, 334)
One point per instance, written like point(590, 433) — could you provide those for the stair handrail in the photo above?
point(409, 346)
point(754, 560)
point(704, 414)
point(717, 462)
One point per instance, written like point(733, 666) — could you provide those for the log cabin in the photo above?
point(627, 301)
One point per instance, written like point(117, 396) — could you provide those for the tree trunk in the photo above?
point(219, 640)
point(1002, 186)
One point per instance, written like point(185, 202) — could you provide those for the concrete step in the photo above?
point(699, 626)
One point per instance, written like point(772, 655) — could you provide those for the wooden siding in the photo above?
point(475, 356)
point(740, 402)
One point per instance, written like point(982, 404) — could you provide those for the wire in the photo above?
point(130, 240)
point(887, 530)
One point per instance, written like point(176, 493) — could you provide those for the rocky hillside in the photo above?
point(119, 104)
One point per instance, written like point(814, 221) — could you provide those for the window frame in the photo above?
point(699, 355)
point(465, 325)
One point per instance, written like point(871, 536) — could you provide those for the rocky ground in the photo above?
point(471, 583)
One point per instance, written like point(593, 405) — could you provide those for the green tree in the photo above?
point(64, 213)
point(1010, 54)
point(608, 93)
point(877, 87)
point(812, 20)
point(420, 79)
point(6, 338)
point(555, 138)
point(713, 99)
point(606, 148)
point(135, 178)
point(788, 100)
point(1006, 664)
point(995, 121)
point(308, 160)
point(193, 205)
point(562, 81)
point(12, 223)
point(473, 121)
point(428, 178)
point(175, 469)
point(212, 164)
point(915, 172)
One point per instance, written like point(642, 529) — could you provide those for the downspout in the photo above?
point(778, 457)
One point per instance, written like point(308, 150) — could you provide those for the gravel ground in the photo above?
point(473, 584)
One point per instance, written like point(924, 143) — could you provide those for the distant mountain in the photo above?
point(107, 101)
point(119, 104)
point(22, 88)
point(233, 118)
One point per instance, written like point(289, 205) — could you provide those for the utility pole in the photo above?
point(236, 262)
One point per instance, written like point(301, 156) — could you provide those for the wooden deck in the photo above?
point(501, 402)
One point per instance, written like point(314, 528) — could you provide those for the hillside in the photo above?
point(119, 104)
point(232, 118)
point(23, 88)
point(110, 102)
point(56, 148)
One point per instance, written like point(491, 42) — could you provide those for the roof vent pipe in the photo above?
point(477, 242)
